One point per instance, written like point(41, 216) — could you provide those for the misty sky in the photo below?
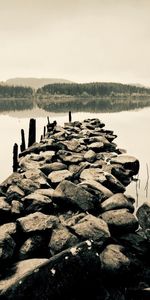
point(80, 40)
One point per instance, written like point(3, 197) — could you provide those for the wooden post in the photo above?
point(44, 131)
point(48, 120)
point(15, 157)
point(32, 132)
point(70, 117)
point(23, 145)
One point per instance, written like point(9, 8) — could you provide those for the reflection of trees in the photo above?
point(17, 104)
point(78, 105)
point(98, 105)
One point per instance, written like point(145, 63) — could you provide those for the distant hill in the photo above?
point(34, 83)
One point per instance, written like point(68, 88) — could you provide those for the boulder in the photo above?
point(55, 166)
point(120, 221)
point(90, 156)
point(113, 184)
point(38, 177)
point(128, 162)
point(97, 146)
point(77, 169)
point(61, 239)
point(14, 193)
point(92, 228)
point(57, 176)
point(70, 157)
point(37, 222)
point(67, 194)
point(93, 174)
point(104, 192)
point(71, 145)
point(16, 208)
point(8, 228)
point(7, 247)
point(45, 192)
point(114, 262)
point(34, 246)
point(123, 175)
point(37, 202)
point(28, 185)
point(143, 215)
point(117, 201)
point(30, 161)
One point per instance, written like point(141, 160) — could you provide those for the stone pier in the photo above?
point(67, 225)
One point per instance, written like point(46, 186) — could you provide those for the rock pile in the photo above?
point(67, 227)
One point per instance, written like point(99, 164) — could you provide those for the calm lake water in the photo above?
point(132, 128)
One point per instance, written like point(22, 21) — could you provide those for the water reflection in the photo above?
point(78, 105)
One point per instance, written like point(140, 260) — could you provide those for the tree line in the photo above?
point(74, 89)
point(15, 92)
point(91, 89)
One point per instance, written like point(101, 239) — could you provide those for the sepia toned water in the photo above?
point(132, 128)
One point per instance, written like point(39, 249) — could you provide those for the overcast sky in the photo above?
point(80, 40)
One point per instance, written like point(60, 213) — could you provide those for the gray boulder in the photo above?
point(104, 193)
point(14, 193)
point(70, 157)
point(8, 228)
point(120, 221)
point(93, 174)
point(37, 202)
point(92, 228)
point(7, 247)
point(16, 208)
point(97, 146)
point(114, 262)
point(128, 162)
point(57, 176)
point(34, 246)
point(143, 215)
point(38, 177)
point(67, 194)
point(55, 166)
point(117, 201)
point(90, 156)
point(61, 239)
point(37, 222)
point(28, 185)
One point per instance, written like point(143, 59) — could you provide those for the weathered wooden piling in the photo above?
point(44, 131)
point(23, 145)
point(15, 157)
point(32, 132)
point(70, 117)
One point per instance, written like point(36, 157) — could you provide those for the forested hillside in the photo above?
point(92, 89)
point(15, 92)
